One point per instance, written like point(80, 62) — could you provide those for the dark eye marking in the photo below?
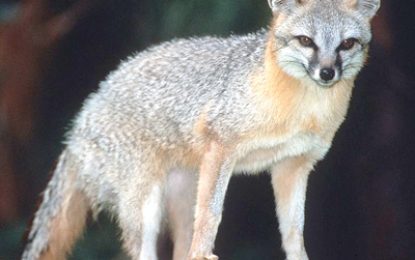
point(347, 44)
point(306, 41)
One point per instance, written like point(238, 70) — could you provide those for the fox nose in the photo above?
point(327, 74)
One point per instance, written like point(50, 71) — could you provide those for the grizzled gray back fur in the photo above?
point(161, 91)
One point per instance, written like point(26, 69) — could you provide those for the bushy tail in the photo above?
point(61, 216)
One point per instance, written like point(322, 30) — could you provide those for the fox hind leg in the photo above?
point(180, 202)
point(139, 219)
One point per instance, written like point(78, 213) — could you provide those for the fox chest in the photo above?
point(262, 154)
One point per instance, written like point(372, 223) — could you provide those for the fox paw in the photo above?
point(211, 257)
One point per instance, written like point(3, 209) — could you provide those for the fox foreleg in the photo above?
point(289, 181)
point(215, 172)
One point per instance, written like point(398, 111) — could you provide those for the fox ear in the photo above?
point(367, 7)
point(285, 6)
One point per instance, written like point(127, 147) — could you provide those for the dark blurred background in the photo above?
point(360, 201)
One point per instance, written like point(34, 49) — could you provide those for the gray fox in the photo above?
point(160, 139)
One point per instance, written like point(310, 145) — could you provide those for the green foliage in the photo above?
point(220, 17)
point(11, 240)
point(101, 241)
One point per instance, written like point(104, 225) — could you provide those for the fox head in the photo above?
point(322, 40)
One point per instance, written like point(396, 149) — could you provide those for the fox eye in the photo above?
point(347, 44)
point(306, 41)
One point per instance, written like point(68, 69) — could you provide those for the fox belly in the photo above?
point(267, 152)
